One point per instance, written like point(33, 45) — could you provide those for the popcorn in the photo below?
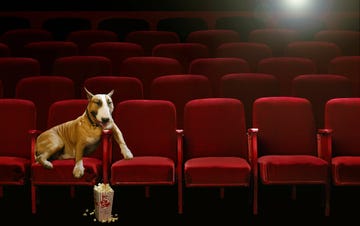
point(103, 200)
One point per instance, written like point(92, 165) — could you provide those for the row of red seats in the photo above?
point(180, 88)
point(277, 39)
point(124, 60)
point(214, 149)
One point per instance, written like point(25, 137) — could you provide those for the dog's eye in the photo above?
point(97, 102)
point(109, 102)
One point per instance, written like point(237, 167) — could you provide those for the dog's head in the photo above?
point(100, 108)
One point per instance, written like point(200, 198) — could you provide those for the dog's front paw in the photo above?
point(78, 171)
point(47, 164)
point(127, 153)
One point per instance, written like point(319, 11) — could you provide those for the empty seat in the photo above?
point(306, 26)
point(16, 39)
point(252, 52)
point(125, 88)
point(318, 89)
point(116, 52)
point(285, 69)
point(347, 41)
point(146, 68)
point(348, 66)
point(215, 68)
point(8, 23)
point(320, 52)
point(183, 52)
point(215, 147)
point(46, 52)
point(179, 89)
point(212, 38)
point(84, 38)
point(44, 91)
point(247, 87)
point(149, 128)
point(12, 69)
point(5, 50)
point(78, 68)
point(149, 39)
point(277, 39)
point(15, 144)
point(287, 146)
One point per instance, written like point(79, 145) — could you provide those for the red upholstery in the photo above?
point(276, 38)
point(215, 144)
point(250, 51)
point(285, 69)
point(15, 145)
point(285, 137)
point(212, 38)
point(247, 87)
point(43, 91)
point(1, 89)
point(320, 52)
point(46, 52)
point(180, 89)
point(319, 88)
point(16, 39)
point(78, 68)
point(116, 52)
point(84, 38)
point(61, 174)
point(125, 88)
point(5, 50)
point(348, 41)
point(183, 52)
point(146, 68)
point(149, 129)
point(348, 66)
point(149, 39)
point(342, 117)
point(215, 68)
point(15, 68)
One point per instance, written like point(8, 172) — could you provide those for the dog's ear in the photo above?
point(111, 93)
point(88, 94)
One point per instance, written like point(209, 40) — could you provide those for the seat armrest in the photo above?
point(324, 144)
point(180, 135)
point(253, 149)
point(107, 153)
point(33, 135)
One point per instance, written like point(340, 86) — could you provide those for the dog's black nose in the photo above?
point(105, 120)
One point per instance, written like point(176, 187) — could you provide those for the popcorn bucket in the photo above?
point(103, 200)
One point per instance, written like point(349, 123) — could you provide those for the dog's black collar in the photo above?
point(90, 120)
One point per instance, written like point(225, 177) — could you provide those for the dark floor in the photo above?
point(201, 206)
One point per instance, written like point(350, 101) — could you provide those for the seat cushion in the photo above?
point(62, 172)
point(143, 170)
point(292, 169)
point(346, 170)
point(14, 170)
point(217, 171)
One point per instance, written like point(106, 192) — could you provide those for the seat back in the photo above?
point(146, 68)
point(149, 39)
point(179, 89)
point(125, 88)
point(43, 91)
point(12, 69)
point(148, 127)
point(117, 52)
point(286, 126)
point(19, 116)
point(342, 116)
point(215, 68)
point(78, 68)
point(318, 89)
point(214, 127)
